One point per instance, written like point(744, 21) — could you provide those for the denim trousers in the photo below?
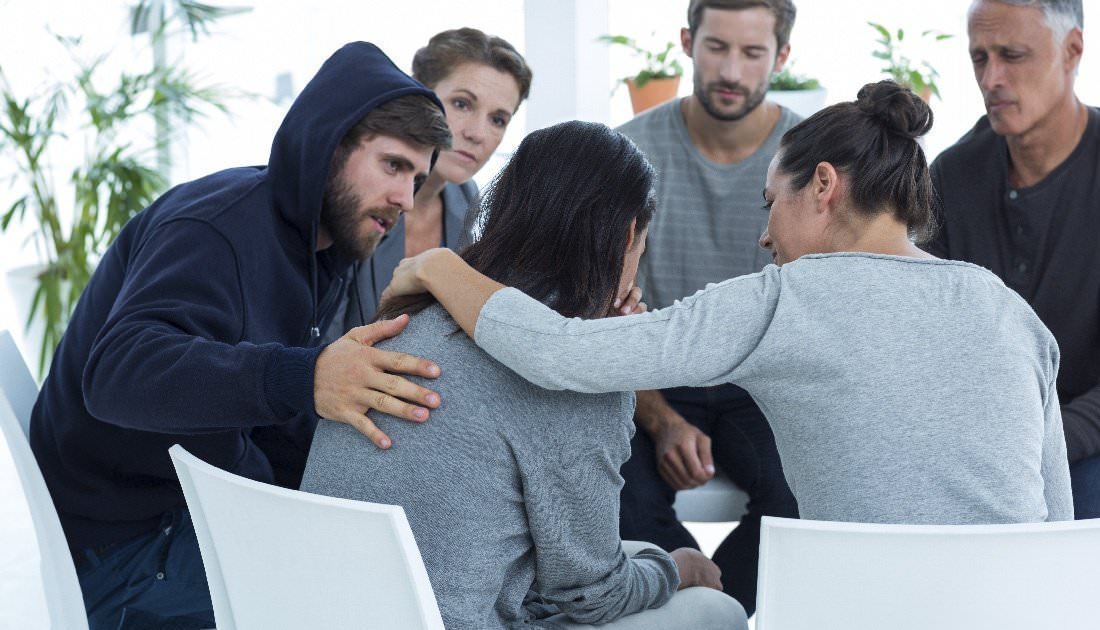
point(1084, 476)
point(744, 449)
point(155, 580)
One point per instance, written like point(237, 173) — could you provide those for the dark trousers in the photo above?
point(155, 580)
point(1085, 478)
point(744, 448)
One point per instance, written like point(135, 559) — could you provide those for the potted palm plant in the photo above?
point(659, 77)
point(75, 218)
point(917, 76)
point(799, 93)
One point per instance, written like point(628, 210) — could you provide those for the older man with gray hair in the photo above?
point(1020, 195)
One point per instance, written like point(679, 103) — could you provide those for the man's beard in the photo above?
point(342, 215)
point(752, 100)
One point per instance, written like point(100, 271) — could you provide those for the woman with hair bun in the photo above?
point(901, 388)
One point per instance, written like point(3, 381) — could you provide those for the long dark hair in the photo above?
point(555, 221)
point(873, 139)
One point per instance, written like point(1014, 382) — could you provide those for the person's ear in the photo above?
point(826, 187)
point(685, 41)
point(781, 57)
point(631, 234)
point(1073, 47)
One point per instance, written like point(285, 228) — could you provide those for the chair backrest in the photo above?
point(278, 558)
point(63, 598)
point(16, 381)
point(853, 576)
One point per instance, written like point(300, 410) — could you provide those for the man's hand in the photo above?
point(682, 451)
point(683, 454)
point(696, 569)
point(352, 378)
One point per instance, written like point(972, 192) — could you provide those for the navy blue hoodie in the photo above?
point(200, 324)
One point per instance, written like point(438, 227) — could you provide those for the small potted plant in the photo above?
point(659, 77)
point(799, 93)
point(917, 76)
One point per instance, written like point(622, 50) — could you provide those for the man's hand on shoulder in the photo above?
point(352, 377)
point(696, 569)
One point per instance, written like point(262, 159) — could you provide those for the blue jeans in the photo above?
point(155, 580)
point(744, 448)
point(1085, 478)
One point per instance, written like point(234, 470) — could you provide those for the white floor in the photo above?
point(22, 601)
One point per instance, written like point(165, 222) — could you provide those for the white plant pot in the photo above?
point(805, 103)
point(22, 283)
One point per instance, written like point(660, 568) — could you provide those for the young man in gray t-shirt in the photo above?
point(711, 151)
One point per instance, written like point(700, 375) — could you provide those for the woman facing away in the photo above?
point(901, 388)
point(511, 490)
point(481, 80)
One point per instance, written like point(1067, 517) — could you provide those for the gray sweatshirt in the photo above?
point(899, 390)
point(509, 488)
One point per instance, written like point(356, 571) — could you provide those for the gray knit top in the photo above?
point(900, 390)
point(512, 491)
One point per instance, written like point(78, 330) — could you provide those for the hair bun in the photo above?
point(896, 108)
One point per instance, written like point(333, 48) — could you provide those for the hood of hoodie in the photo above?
point(356, 79)
point(353, 81)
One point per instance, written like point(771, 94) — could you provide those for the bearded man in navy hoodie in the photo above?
point(201, 326)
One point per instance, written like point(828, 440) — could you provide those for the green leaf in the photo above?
point(915, 80)
point(660, 62)
point(787, 80)
point(616, 39)
point(882, 31)
point(17, 208)
point(197, 17)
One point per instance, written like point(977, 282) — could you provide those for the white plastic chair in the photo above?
point(717, 501)
point(16, 381)
point(63, 598)
point(278, 558)
point(852, 576)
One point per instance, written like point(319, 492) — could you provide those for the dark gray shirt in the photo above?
point(1044, 242)
point(509, 488)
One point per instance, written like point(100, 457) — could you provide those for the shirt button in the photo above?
point(160, 576)
point(1020, 230)
point(1022, 267)
point(1012, 194)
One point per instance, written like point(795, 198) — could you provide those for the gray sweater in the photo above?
point(899, 390)
point(509, 488)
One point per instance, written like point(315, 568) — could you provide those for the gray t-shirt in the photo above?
point(709, 216)
point(509, 488)
point(900, 390)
